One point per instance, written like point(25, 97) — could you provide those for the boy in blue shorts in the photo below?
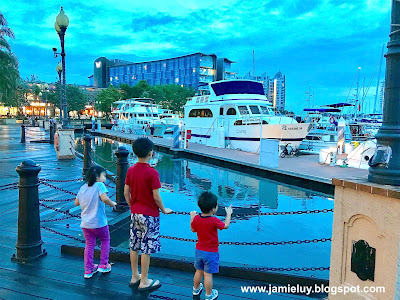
point(207, 256)
point(142, 193)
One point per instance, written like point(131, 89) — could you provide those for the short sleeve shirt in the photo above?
point(93, 209)
point(207, 232)
point(142, 180)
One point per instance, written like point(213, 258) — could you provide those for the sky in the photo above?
point(314, 43)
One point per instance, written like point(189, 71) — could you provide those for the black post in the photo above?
point(29, 242)
point(51, 133)
point(87, 161)
point(385, 164)
point(22, 133)
point(122, 167)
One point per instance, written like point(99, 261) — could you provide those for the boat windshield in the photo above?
point(238, 87)
point(243, 110)
point(254, 109)
point(264, 110)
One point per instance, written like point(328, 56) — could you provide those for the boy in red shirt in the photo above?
point(142, 193)
point(207, 256)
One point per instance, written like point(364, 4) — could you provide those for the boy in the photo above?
point(207, 256)
point(142, 194)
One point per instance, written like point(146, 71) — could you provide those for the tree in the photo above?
point(76, 98)
point(106, 98)
point(9, 74)
point(175, 96)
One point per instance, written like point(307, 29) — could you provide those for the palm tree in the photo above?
point(8, 63)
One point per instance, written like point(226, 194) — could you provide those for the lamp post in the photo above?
point(60, 26)
point(45, 89)
point(59, 71)
point(385, 164)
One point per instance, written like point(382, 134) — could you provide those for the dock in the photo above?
point(59, 275)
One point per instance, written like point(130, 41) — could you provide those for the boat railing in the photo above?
point(211, 127)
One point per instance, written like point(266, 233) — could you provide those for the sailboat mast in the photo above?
point(377, 84)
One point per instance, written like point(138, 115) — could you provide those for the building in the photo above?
point(193, 70)
point(274, 88)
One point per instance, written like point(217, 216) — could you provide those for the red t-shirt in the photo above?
point(142, 180)
point(207, 232)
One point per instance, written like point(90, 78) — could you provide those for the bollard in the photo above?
point(51, 133)
point(29, 242)
point(87, 161)
point(22, 133)
point(122, 167)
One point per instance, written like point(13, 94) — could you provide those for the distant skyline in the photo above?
point(317, 43)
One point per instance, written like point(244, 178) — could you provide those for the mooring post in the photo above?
point(22, 133)
point(87, 161)
point(122, 167)
point(29, 242)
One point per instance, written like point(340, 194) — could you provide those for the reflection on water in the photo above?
point(182, 182)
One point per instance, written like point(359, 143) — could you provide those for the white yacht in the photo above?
point(236, 115)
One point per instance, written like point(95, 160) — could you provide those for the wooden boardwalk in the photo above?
point(60, 276)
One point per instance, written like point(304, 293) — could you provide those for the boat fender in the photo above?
point(56, 142)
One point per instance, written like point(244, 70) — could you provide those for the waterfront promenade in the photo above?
point(60, 276)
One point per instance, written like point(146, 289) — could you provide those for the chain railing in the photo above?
point(275, 213)
point(67, 180)
point(9, 186)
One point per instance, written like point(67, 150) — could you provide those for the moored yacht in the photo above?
point(236, 115)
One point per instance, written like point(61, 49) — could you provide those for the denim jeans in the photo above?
point(90, 236)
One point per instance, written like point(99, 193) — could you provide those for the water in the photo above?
point(183, 180)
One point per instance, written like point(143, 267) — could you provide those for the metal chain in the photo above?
point(55, 220)
point(107, 161)
point(253, 243)
point(9, 184)
point(285, 269)
point(63, 234)
point(53, 180)
point(300, 212)
point(55, 187)
point(60, 211)
point(57, 200)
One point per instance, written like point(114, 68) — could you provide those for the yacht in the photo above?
point(236, 115)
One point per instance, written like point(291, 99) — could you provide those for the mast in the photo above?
point(358, 79)
point(254, 69)
point(377, 84)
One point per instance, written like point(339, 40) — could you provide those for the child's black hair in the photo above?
point(142, 147)
point(93, 173)
point(207, 201)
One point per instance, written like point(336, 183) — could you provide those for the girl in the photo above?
point(91, 197)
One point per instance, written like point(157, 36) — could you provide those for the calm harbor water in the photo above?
point(184, 180)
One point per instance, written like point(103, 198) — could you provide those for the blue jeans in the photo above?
point(206, 261)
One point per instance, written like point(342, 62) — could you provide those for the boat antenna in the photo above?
point(379, 78)
point(254, 69)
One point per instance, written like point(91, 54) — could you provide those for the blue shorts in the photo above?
point(206, 261)
point(145, 234)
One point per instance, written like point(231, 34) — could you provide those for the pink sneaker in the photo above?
point(89, 274)
point(104, 268)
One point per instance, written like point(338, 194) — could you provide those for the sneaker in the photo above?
point(214, 295)
point(197, 292)
point(104, 268)
point(89, 274)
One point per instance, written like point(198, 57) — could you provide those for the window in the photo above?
point(148, 115)
point(201, 113)
point(231, 112)
point(155, 115)
point(264, 110)
point(243, 110)
point(221, 111)
point(254, 109)
point(141, 115)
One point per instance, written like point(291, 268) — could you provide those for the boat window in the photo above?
point(221, 111)
point(131, 115)
point(238, 87)
point(254, 109)
point(148, 115)
point(141, 115)
point(271, 111)
point(240, 122)
point(243, 110)
point(155, 115)
point(264, 110)
point(201, 113)
point(134, 115)
point(231, 112)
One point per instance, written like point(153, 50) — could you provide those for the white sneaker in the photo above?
point(197, 292)
point(214, 295)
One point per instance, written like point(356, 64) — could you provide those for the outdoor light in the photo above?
point(62, 20)
point(59, 68)
point(57, 28)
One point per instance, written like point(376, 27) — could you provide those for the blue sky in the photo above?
point(317, 43)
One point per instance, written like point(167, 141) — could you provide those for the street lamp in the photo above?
point(60, 26)
point(59, 69)
point(45, 89)
point(385, 164)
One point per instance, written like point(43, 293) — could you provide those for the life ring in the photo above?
point(367, 134)
point(56, 142)
point(332, 119)
point(355, 131)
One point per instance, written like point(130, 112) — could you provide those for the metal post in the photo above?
point(64, 91)
point(22, 133)
point(51, 133)
point(87, 161)
point(29, 242)
point(385, 164)
point(122, 167)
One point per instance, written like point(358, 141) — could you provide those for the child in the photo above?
point(142, 194)
point(91, 197)
point(207, 256)
point(144, 131)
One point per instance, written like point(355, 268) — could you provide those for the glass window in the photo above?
point(141, 115)
point(264, 110)
point(254, 109)
point(243, 110)
point(231, 112)
point(201, 113)
point(155, 115)
point(221, 111)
